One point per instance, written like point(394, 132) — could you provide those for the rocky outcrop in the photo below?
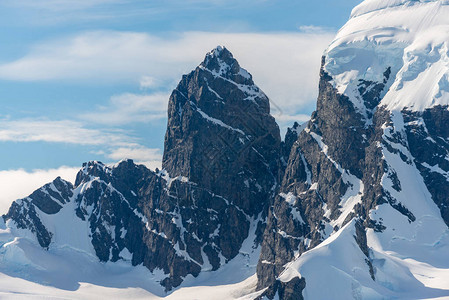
point(221, 159)
point(134, 214)
point(286, 146)
point(428, 141)
point(49, 199)
point(320, 171)
point(221, 135)
point(337, 171)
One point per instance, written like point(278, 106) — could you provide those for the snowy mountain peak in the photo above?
point(219, 55)
point(221, 63)
point(369, 173)
point(219, 125)
point(356, 197)
point(217, 51)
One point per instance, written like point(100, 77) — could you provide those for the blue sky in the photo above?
point(89, 80)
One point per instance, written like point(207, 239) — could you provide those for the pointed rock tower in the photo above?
point(220, 168)
point(221, 135)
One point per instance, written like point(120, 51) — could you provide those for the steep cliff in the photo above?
point(365, 182)
point(221, 159)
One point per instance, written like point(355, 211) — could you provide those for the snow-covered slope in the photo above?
point(410, 37)
point(417, 268)
point(369, 174)
point(69, 266)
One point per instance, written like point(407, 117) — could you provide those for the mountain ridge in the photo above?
point(360, 174)
point(193, 216)
point(353, 203)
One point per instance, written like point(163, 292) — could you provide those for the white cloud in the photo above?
point(66, 131)
point(17, 184)
point(147, 82)
point(128, 108)
point(312, 29)
point(284, 65)
point(140, 153)
point(150, 157)
point(300, 118)
point(285, 120)
point(115, 144)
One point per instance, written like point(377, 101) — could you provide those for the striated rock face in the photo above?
point(49, 199)
point(368, 177)
point(127, 212)
point(428, 140)
point(286, 146)
point(321, 171)
point(221, 135)
point(345, 165)
point(221, 159)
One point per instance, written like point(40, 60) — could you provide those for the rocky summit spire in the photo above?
point(222, 63)
point(220, 133)
point(204, 210)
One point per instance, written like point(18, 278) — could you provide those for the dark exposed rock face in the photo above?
point(340, 155)
point(291, 290)
point(428, 139)
point(361, 240)
point(286, 146)
point(49, 199)
point(164, 223)
point(221, 135)
point(314, 182)
point(221, 160)
point(290, 138)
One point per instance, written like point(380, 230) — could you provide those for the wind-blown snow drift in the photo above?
point(411, 37)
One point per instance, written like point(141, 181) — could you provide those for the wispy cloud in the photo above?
point(130, 108)
point(65, 131)
point(115, 144)
point(60, 5)
point(285, 118)
point(285, 65)
point(44, 13)
point(120, 7)
point(149, 157)
point(312, 29)
point(147, 82)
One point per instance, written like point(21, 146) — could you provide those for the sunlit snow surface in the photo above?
point(410, 259)
point(70, 270)
point(411, 37)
